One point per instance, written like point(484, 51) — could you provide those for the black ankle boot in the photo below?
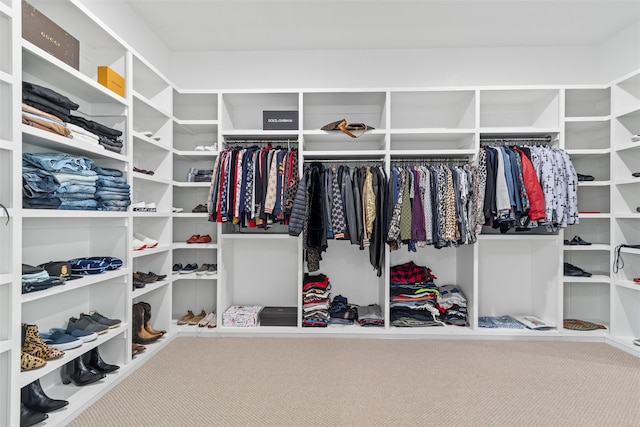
point(94, 361)
point(29, 417)
point(34, 397)
point(79, 373)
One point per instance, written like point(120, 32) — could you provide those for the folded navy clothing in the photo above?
point(107, 172)
point(50, 95)
point(41, 285)
point(94, 265)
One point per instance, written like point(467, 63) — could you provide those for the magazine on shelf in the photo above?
point(533, 322)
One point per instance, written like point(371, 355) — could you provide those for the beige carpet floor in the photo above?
point(375, 382)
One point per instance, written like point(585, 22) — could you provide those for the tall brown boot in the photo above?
point(140, 334)
point(147, 317)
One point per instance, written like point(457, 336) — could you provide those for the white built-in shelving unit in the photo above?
point(513, 273)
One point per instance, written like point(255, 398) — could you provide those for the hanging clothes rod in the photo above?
point(523, 139)
point(371, 160)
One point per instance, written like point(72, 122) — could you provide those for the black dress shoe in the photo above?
point(636, 174)
point(29, 417)
point(585, 177)
point(34, 397)
point(577, 240)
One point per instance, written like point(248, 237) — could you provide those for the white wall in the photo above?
point(124, 21)
point(620, 54)
point(385, 68)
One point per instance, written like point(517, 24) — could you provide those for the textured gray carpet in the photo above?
point(375, 382)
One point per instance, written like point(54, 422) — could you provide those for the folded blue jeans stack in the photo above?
point(37, 279)
point(112, 190)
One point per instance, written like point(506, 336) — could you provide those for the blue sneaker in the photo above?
point(189, 268)
point(61, 341)
point(176, 268)
point(85, 336)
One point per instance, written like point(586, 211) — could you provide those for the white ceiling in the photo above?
point(194, 25)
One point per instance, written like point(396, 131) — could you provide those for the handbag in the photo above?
point(347, 128)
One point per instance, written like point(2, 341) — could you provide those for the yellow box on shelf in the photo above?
point(111, 80)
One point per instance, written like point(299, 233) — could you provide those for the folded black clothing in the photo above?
point(49, 94)
point(202, 178)
point(111, 148)
point(46, 106)
point(95, 127)
point(110, 141)
point(204, 172)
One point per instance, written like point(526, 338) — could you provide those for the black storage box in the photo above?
point(279, 316)
point(279, 120)
point(48, 36)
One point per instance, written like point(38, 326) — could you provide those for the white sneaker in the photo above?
point(211, 148)
point(138, 207)
point(150, 243)
point(137, 245)
point(200, 148)
point(206, 320)
point(177, 210)
point(635, 138)
point(150, 207)
point(147, 133)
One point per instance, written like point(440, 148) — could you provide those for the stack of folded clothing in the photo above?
point(48, 101)
point(49, 110)
point(453, 305)
point(107, 137)
point(75, 181)
point(413, 296)
point(112, 190)
point(37, 279)
point(315, 300)
point(39, 188)
point(370, 315)
point(199, 175)
point(341, 312)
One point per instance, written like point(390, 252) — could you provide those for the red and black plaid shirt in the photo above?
point(411, 273)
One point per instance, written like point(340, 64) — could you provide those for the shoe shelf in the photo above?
point(6, 279)
point(628, 284)
point(630, 251)
point(196, 156)
point(151, 251)
point(73, 285)
point(28, 377)
point(340, 144)
point(594, 183)
point(150, 178)
point(627, 181)
point(580, 152)
point(596, 278)
point(191, 215)
point(151, 214)
point(595, 335)
point(40, 139)
point(5, 345)
point(191, 184)
point(140, 139)
point(194, 276)
point(147, 108)
point(257, 235)
point(195, 127)
point(53, 213)
point(149, 287)
point(592, 247)
point(587, 215)
point(183, 245)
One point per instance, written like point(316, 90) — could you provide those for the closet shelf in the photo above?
point(6, 10)
point(593, 215)
point(6, 279)
point(5, 345)
point(593, 247)
point(6, 145)
point(183, 245)
point(265, 235)
point(147, 107)
point(6, 77)
point(195, 156)
point(630, 251)
point(53, 213)
point(588, 119)
point(191, 215)
point(524, 131)
point(596, 278)
point(629, 110)
point(257, 133)
point(194, 276)
point(151, 178)
point(50, 141)
point(594, 183)
point(28, 377)
point(144, 252)
point(488, 332)
point(151, 214)
point(56, 73)
point(420, 131)
point(347, 154)
point(145, 139)
point(194, 127)
point(191, 184)
point(627, 181)
point(627, 215)
point(629, 284)
point(630, 146)
point(518, 236)
point(150, 287)
point(587, 152)
point(596, 335)
point(454, 154)
point(72, 285)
